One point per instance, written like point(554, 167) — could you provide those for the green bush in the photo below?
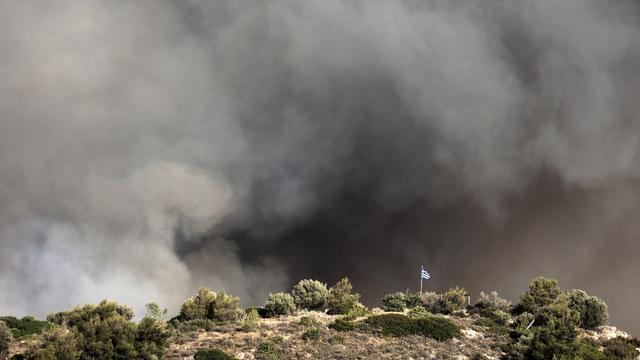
point(588, 351)
point(224, 308)
point(542, 292)
point(341, 299)
point(392, 324)
point(155, 312)
point(279, 304)
point(251, 322)
point(307, 321)
point(310, 294)
point(197, 307)
point(26, 326)
point(267, 351)
point(413, 300)
point(212, 354)
point(5, 338)
point(523, 320)
point(492, 301)
point(593, 311)
point(437, 328)
point(394, 302)
point(453, 300)
point(342, 325)
point(312, 334)
point(620, 349)
point(419, 312)
point(197, 325)
point(104, 331)
point(57, 344)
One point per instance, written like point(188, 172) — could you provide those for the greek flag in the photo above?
point(424, 274)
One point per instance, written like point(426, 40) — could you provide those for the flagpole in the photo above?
point(421, 269)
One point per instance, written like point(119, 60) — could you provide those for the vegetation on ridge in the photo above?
point(546, 323)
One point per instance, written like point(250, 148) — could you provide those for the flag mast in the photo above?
point(421, 277)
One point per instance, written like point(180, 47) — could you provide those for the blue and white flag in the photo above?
point(424, 274)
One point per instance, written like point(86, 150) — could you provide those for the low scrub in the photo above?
point(342, 325)
point(392, 324)
point(251, 321)
point(620, 349)
point(196, 325)
point(437, 328)
point(397, 325)
point(212, 354)
point(267, 351)
point(492, 301)
point(307, 321)
point(312, 334)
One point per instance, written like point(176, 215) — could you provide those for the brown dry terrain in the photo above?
point(286, 333)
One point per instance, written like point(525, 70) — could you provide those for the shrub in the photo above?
point(394, 302)
point(26, 326)
point(454, 299)
point(437, 328)
point(197, 307)
point(419, 312)
point(307, 321)
point(5, 338)
point(392, 324)
point(588, 351)
point(620, 349)
point(337, 339)
point(212, 354)
point(279, 304)
point(311, 334)
point(310, 294)
point(413, 300)
point(592, 310)
point(267, 351)
point(542, 292)
point(224, 308)
point(56, 345)
point(430, 301)
point(251, 321)
point(492, 301)
point(106, 331)
point(155, 312)
point(523, 320)
point(342, 325)
point(341, 300)
point(196, 325)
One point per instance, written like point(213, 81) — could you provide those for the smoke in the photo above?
point(151, 147)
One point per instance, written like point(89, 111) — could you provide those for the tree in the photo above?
point(310, 294)
point(155, 312)
point(197, 307)
point(341, 300)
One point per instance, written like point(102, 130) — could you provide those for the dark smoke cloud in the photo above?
point(150, 147)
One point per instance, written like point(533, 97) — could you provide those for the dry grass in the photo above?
point(286, 333)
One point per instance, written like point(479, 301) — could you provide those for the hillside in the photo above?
point(286, 333)
point(314, 321)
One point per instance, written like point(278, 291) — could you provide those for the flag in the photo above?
point(424, 274)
